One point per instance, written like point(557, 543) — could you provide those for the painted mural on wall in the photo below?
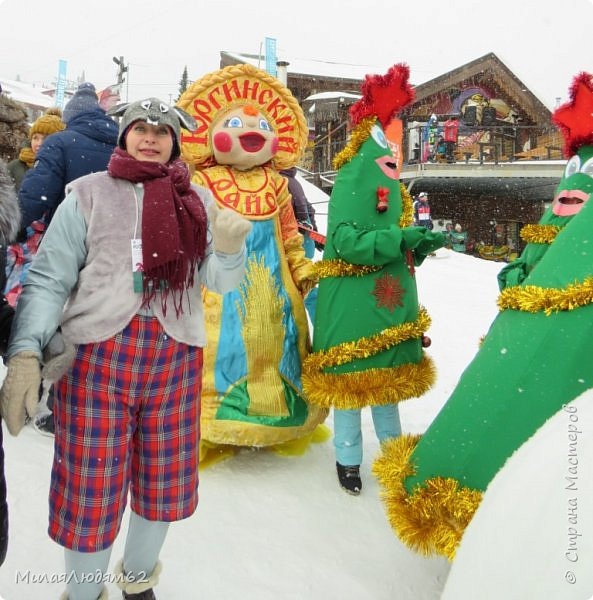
point(458, 100)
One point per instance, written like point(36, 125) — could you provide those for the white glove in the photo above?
point(229, 229)
point(19, 395)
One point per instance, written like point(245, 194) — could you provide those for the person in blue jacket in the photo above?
point(84, 147)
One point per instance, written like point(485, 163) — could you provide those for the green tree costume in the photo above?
point(367, 342)
point(535, 358)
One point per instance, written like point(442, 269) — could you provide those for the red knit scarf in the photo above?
point(174, 225)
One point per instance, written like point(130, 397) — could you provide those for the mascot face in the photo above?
point(243, 138)
point(366, 189)
point(576, 185)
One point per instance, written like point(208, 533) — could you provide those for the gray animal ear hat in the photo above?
point(154, 112)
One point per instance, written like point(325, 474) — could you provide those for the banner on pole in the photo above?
point(61, 85)
point(271, 56)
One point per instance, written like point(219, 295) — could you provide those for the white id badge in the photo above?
point(137, 266)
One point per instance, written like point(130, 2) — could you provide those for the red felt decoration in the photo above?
point(382, 199)
point(383, 95)
point(575, 117)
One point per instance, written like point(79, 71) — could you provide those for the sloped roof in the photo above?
point(26, 93)
point(488, 68)
point(299, 66)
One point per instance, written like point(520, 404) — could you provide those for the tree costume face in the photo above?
point(250, 125)
point(368, 327)
point(534, 360)
point(574, 188)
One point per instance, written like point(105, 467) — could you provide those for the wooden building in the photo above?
point(495, 186)
point(508, 155)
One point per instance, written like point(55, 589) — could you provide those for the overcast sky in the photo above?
point(545, 42)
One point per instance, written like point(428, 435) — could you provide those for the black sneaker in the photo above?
point(349, 477)
point(146, 595)
point(44, 424)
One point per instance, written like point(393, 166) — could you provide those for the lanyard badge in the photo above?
point(137, 266)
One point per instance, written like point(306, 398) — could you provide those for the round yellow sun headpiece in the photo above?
point(212, 96)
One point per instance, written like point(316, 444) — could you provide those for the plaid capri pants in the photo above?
point(127, 419)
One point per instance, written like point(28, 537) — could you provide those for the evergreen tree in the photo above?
point(183, 83)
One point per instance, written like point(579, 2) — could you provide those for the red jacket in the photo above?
point(450, 127)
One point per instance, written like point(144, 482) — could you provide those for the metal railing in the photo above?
point(500, 143)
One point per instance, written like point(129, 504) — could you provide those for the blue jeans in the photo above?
point(348, 433)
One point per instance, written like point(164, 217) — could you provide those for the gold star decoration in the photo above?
point(388, 292)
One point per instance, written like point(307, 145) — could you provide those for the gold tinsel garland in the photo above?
point(407, 216)
point(336, 267)
point(539, 234)
point(434, 516)
point(533, 298)
point(357, 138)
point(368, 346)
point(371, 387)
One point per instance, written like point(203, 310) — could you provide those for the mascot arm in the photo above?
point(361, 246)
point(512, 274)
point(421, 242)
point(300, 266)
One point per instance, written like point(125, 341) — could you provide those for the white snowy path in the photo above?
point(270, 527)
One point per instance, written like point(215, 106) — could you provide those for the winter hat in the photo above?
point(84, 99)
point(422, 195)
point(154, 112)
point(49, 122)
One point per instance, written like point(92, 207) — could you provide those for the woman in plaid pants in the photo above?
point(119, 271)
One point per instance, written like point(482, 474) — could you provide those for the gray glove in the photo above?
point(58, 357)
point(229, 229)
point(19, 395)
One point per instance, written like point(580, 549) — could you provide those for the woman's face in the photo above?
point(151, 143)
point(36, 141)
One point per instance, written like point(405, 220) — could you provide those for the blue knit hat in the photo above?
point(84, 99)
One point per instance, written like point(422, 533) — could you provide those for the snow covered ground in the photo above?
point(272, 527)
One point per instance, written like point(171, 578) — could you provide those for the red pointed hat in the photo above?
point(575, 117)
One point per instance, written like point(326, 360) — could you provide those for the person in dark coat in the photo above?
point(9, 224)
point(305, 215)
point(49, 122)
point(84, 147)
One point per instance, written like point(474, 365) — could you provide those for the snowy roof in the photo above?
point(322, 68)
point(331, 96)
point(26, 93)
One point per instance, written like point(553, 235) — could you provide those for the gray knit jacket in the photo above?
point(81, 277)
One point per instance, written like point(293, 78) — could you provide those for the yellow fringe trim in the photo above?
point(338, 268)
point(357, 138)
point(532, 298)
point(212, 453)
point(539, 234)
point(298, 447)
point(372, 387)
point(433, 518)
point(407, 216)
point(368, 346)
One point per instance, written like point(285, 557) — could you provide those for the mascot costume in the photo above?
point(250, 127)
point(534, 360)
point(369, 329)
